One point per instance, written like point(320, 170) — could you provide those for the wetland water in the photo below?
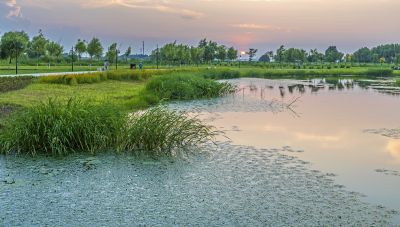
point(330, 159)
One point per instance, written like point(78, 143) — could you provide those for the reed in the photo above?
point(158, 131)
point(59, 128)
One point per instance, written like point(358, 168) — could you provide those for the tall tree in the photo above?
point(196, 54)
point(80, 48)
point(280, 54)
point(128, 53)
point(54, 49)
point(232, 54)
point(95, 49)
point(315, 56)
point(13, 44)
point(221, 53)
point(112, 52)
point(363, 55)
point(210, 50)
point(265, 58)
point(333, 55)
point(38, 46)
point(252, 53)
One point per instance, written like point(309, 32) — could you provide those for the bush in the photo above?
point(14, 83)
point(57, 128)
point(186, 87)
point(158, 131)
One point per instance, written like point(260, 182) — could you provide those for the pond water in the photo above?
point(295, 153)
point(345, 127)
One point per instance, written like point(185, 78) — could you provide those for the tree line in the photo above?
point(389, 53)
point(16, 44)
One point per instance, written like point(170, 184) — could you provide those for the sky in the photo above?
point(244, 24)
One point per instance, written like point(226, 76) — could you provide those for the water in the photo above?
point(342, 127)
point(298, 153)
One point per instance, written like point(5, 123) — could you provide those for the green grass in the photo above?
point(158, 131)
point(59, 128)
point(121, 93)
point(186, 87)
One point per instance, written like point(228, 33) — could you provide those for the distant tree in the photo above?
point(196, 55)
point(252, 53)
point(280, 54)
point(168, 53)
point(128, 52)
point(232, 54)
point(13, 44)
point(265, 58)
point(210, 51)
point(95, 49)
point(80, 48)
point(295, 55)
point(315, 56)
point(363, 55)
point(388, 51)
point(112, 52)
point(333, 55)
point(221, 53)
point(54, 49)
point(37, 46)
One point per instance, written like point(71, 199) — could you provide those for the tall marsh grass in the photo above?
point(186, 87)
point(159, 131)
point(58, 128)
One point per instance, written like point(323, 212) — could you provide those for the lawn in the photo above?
point(119, 92)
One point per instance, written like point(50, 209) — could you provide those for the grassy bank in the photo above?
point(91, 116)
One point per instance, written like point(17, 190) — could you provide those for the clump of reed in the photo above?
point(186, 87)
point(59, 128)
point(159, 131)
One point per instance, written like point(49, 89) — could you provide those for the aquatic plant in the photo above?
point(58, 128)
point(186, 87)
point(159, 131)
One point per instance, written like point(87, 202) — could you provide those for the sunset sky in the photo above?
point(262, 24)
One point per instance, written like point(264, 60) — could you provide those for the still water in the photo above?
point(343, 127)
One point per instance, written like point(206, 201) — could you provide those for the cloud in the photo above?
point(157, 5)
point(257, 27)
point(14, 9)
